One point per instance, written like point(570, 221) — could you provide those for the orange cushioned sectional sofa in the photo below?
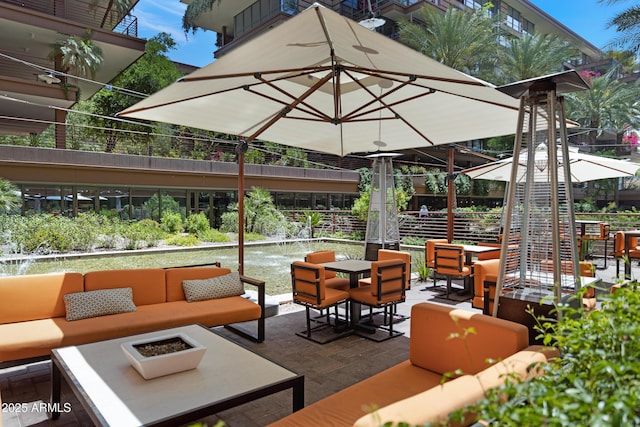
point(33, 316)
point(413, 391)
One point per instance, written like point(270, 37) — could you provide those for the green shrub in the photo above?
point(594, 382)
point(420, 267)
point(197, 224)
point(251, 237)
point(180, 240)
point(213, 235)
point(171, 222)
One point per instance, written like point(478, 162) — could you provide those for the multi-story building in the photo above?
point(38, 94)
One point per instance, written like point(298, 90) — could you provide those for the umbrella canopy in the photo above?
point(582, 167)
point(322, 82)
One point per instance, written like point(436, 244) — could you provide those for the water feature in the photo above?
point(269, 262)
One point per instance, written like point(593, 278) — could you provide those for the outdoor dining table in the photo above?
point(355, 268)
point(583, 225)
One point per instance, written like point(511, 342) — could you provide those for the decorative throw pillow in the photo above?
point(228, 285)
point(82, 305)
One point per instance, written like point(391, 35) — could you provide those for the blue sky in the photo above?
point(587, 18)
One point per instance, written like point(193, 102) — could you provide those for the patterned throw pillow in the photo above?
point(82, 305)
point(228, 285)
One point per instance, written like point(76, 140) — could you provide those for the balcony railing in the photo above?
point(84, 12)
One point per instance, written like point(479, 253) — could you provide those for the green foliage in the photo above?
point(9, 196)
point(193, 11)
point(171, 222)
point(152, 205)
point(404, 190)
point(594, 382)
point(78, 56)
point(261, 215)
point(180, 240)
point(197, 224)
point(145, 233)
point(420, 266)
point(252, 237)
point(213, 235)
point(466, 40)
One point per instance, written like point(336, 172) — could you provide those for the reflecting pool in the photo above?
point(268, 262)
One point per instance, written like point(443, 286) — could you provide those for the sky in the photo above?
point(587, 18)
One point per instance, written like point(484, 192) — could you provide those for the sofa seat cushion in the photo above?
point(344, 407)
point(429, 407)
point(35, 338)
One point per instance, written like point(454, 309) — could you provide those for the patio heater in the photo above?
point(382, 222)
point(539, 257)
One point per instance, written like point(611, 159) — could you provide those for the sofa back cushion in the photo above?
point(175, 276)
point(147, 283)
point(439, 341)
point(36, 296)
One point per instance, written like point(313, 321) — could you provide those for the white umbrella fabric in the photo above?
point(583, 168)
point(322, 82)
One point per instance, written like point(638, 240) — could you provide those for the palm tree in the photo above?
point(531, 56)
point(9, 199)
point(466, 40)
point(78, 56)
point(627, 25)
point(609, 105)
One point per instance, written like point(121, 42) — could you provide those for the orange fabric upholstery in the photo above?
point(449, 262)
point(388, 281)
point(619, 249)
point(452, 395)
point(330, 278)
point(36, 296)
point(430, 255)
point(483, 271)
point(432, 352)
point(309, 290)
point(33, 317)
point(387, 254)
point(489, 255)
point(148, 284)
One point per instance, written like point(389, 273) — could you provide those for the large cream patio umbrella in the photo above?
point(322, 82)
point(583, 168)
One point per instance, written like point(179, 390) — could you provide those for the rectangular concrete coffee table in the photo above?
point(114, 393)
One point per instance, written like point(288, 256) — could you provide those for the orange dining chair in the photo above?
point(619, 249)
point(310, 291)
point(330, 277)
point(387, 288)
point(450, 262)
point(429, 255)
point(386, 254)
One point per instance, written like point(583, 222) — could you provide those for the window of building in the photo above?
point(514, 20)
